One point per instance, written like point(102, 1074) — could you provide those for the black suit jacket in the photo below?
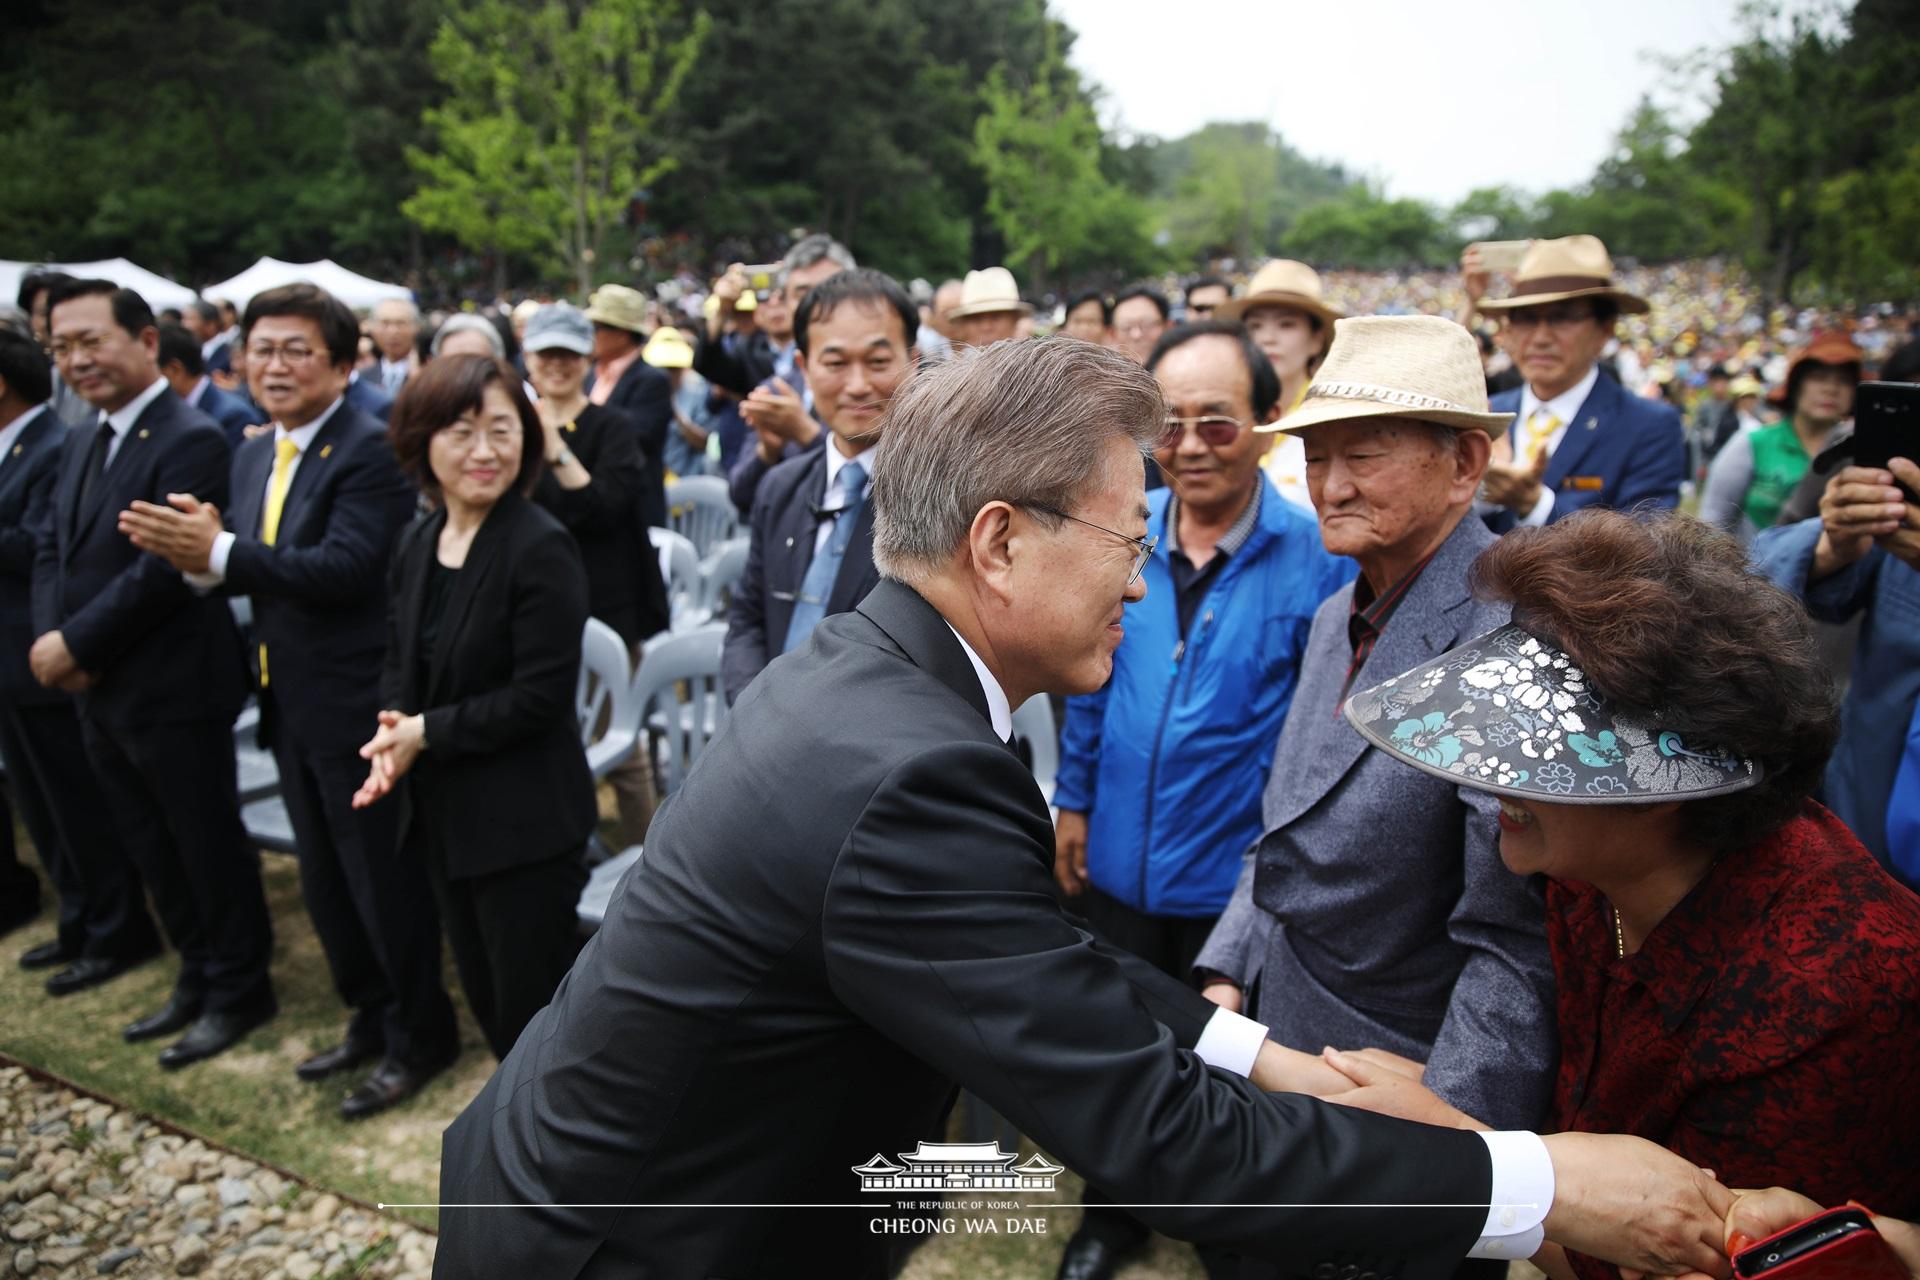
point(159, 653)
point(319, 592)
point(784, 988)
point(624, 587)
point(644, 395)
point(369, 397)
point(504, 781)
point(783, 533)
point(27, 474)
point(232, 413)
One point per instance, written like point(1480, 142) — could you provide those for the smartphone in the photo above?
point(761, 274)
point(1502, 256)
point(1839, 1244)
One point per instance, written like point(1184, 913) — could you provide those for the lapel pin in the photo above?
point(143, 433)
point(325, 449)
point(1592, 423)
point(16, 450)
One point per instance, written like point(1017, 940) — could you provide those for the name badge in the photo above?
point(1587, 483)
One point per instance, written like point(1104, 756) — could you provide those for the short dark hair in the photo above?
point(1904, 364)
point(177, 344)
point(205, 310)
point(24, 366)
point(130, 310)
point(1670, 622)
point(1266, 383)
point(434, 398)
point(338, 329)
point(1147, 291)
point(1080, 299)
point(1208, 282)
point(35, 283)
point(856, 284)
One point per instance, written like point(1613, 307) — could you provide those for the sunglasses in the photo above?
point(1215, 429)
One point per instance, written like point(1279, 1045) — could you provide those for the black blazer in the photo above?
point(794, 978)
point(645, 395)
point(783, 533)
point(504, 781)
point(624, 587)
point(159, 652)
point(27, 474)
point(320, 591)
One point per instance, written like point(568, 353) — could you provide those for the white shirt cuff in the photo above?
point(1542, 508)
point(216, 564)
point(1230, 1042)
point(1521, 1195)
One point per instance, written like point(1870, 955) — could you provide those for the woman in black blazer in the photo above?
point(487, 602)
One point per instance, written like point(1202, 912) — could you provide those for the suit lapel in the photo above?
point(923, 634)
point(126, 457)
point(802, 528)
point(314, 465)
point(480, 559)
point(251, 467)
point(1581, 435)
point(857, 574)
point(408, 602)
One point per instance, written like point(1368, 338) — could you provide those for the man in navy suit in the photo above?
point(316, 507)
point(103, 926)
point(1579, 439)
point(158, 669)
point(181, 365)
point(203, 323)
point(366, 396)
point(811, 552)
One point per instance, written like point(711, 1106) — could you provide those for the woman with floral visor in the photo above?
point(1738, 979)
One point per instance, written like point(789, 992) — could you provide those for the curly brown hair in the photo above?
point(1671, 625)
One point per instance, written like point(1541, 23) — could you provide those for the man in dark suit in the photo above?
point(158, 668)
point(182, 367)
point(1578, 439)
point(203, 323)
point(316, 508)
point(781, 992)
point(812, 529)
point(103, 927)
point(365, 396)
point(622, 380)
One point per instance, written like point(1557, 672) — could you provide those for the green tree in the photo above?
point(548, 126)
point(1235, 190)
point(1365, 229)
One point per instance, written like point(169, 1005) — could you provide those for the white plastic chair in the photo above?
point(605, 693)
point(700, 509)
point(268, 824)
point(678, 695)
point(254, 768)
point(720, 570)
point(1033, 720)
point(680, 568)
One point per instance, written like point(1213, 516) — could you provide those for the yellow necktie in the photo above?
point(1540, 429)
point(285, 451)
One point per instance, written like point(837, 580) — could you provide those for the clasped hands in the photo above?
point(391, 752)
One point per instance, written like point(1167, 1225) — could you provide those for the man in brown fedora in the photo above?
point(1579, 439)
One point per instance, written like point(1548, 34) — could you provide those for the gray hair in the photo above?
point(413, 310)
point(469, 323)
point(812, 249)
point(1026, 423)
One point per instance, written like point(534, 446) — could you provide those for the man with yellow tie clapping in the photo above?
point(317, 505)
point(1578, 439)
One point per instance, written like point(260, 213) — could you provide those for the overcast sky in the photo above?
point(1435, 97)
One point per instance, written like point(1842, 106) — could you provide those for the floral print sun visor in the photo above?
point(1508, 713)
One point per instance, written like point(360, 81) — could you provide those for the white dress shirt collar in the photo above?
point(997, 709)
point(199, 389)
point(127, 414)
point(303, 436)
point(836, 460)
point(11, 432)
point(1563, 406)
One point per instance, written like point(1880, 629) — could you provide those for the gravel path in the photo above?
point(90, 1189)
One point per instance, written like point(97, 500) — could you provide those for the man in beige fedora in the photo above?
point(1579, 439)
point(1287, 318)
point(1321, 941)
point(622, 380)
point(990, 308)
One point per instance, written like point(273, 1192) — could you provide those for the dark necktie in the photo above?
point(96, 461)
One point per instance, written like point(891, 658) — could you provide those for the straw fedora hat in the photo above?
point(988, 290)
point(1570, 267)
point(1423, 367)
point(1281, 283)
point(619, 307)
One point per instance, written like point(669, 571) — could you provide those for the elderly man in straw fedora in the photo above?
point(1287, 319)
point(1579, 439)
point(990, 308)
point(1322, 940)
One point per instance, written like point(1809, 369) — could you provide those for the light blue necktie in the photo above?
point(818, 584)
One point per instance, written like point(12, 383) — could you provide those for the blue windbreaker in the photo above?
point(1170, 759)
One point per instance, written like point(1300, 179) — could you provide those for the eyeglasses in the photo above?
point(295, 354)
point(1215, 429)
point(1559, 319)
point(93, 344)
point(463, 437)
point(1140, 328)
point(1142, 547)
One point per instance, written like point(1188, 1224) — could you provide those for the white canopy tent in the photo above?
point(158, 291)
point(350, 287)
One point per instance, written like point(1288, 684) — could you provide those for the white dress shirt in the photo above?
point(1522, 1171)
point(1566, 407)
point(11, 432)
point(835, 461)
point(124, 417)
point(223, 541)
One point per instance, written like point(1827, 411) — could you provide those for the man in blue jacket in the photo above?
point(1161, 771)
point(1578, 439)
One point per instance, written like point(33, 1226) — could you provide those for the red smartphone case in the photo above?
point(1859, 1255)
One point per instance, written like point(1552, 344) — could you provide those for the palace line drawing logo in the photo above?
point(958, 1166)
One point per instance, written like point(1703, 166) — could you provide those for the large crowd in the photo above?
point(1471, 714)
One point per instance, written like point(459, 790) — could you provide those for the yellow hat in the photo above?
point(668, 348)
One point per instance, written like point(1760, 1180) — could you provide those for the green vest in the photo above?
point(1778, 463)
